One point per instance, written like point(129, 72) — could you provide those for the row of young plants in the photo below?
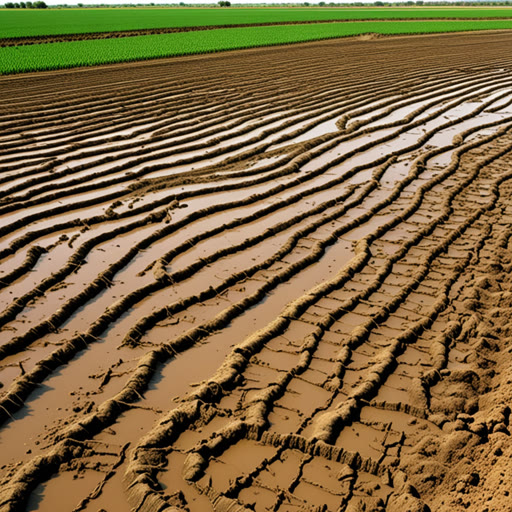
point(18, 59)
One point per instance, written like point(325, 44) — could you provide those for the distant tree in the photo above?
point(9, 5)
point(16, 5)
point(40, 5)
point(378, 4)
point(321, 4)
point(23, 5)
point(224, 3)
point(30, 5)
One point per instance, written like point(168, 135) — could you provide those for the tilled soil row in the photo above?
point(293, 259)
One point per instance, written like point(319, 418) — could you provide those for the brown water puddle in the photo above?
point(178, 371)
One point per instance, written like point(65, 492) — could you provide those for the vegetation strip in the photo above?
point(93, 52)
point(19, 23)
point(61, 38)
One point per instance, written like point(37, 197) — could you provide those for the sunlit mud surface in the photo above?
point(268, 280)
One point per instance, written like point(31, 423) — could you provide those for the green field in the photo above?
point(27, 22)
point(17, 59)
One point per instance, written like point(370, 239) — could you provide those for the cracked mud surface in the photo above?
point(277, 279)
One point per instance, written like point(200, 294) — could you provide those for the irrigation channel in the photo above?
point(267, 280)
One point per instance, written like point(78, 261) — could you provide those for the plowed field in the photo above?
point(269, 280)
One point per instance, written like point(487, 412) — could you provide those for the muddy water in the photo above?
point(206, 357)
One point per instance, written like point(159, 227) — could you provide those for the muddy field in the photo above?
point(268, 280)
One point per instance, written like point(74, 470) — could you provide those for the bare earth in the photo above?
point(270, 280)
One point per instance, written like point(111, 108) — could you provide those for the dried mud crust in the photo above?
point(220, 292)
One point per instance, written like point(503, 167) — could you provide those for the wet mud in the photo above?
point(223, 292)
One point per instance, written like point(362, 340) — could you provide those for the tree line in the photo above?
point(26, 5)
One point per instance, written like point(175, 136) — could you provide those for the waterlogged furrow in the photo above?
point(150, 148)
point(254, 414)
point(194, 144)
point(227, 100)
point(290, 168)
point(292, 260)
point(106, 277)
point(185, 116)
point(232, 104)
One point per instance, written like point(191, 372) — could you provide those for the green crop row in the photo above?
point(21, 22)
point(16, 59)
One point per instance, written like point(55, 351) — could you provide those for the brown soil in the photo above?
point(276, 279)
